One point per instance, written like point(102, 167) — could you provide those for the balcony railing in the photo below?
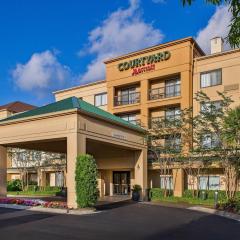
point(173, 121)
point(165, 92)
point(126, 99)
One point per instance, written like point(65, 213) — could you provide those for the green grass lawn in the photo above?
point(191, 201)
point(33, 193)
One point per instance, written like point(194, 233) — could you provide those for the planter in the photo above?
point(135, 196)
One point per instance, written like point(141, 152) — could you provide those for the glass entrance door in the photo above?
point(121, 183)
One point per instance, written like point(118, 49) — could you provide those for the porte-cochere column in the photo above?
point(76, 145)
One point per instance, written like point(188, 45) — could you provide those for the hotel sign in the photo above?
point(119, 135)
point(144, 64)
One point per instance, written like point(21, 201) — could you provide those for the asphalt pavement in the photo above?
point(129, 221)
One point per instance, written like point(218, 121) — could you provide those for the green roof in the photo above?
point(68, 104)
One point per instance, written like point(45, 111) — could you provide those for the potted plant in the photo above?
point(136, 192)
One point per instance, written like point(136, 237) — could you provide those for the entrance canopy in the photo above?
point(75, 127)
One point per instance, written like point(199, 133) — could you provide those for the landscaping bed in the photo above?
point(233, 206)
point(33, 203)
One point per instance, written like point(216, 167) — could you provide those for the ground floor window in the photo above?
point(59, 179)
point(209, 182)
point(166, 182)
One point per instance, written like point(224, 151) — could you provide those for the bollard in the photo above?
point(215, 199)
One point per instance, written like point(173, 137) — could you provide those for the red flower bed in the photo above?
point(33, 203)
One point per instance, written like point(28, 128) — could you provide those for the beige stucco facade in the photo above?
point(86, 93)
point(229, 64)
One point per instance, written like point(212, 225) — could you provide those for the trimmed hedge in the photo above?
point(14, 185)
point(33, 188)
point(86, 181)
point(158, 193)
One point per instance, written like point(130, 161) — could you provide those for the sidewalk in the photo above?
point(208, 210)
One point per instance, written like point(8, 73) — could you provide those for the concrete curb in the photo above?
point(228, 215)
point(51, 210)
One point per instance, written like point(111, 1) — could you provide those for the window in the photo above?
point(209, 183)
point(172, 113)
point(214, 183)
point(172, 87)
point(59, 179)
point(166, 182)
point(210, 140)
point(173, 142)
point(211, 107)
point(211, 78)
point(132, 118)
point(128, 95)
point(203, 182)
point(100, 99)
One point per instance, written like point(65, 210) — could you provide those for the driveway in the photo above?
point(135, 221)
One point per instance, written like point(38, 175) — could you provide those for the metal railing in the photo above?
point(165, 92)
point(126, 99)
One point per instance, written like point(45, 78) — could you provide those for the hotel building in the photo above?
point(140, 87)
point(156, 82)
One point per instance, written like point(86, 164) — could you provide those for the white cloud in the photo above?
point(41, 74)
point(218, 25)
point(122, 32)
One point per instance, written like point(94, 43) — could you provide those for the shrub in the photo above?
point(188, 193)
point(158, 193)
point(137, 188)
point(232, 205)
point(14, 185)
point(86, 181)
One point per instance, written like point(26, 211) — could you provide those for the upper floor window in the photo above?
point(212, 107)
point(172, 87)
point(173, 143)
point(132, 118)
point(211, 78)
point(100, 99)
point(127, 96)
point(210, 141)
point(172, 113)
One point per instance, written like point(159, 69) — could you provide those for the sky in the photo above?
point(51, 45)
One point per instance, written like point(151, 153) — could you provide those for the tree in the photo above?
point(200, 142)
point(168, 140)
point(231, 143)
point(86, 181)
point(234, 7)
point(216, 137)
